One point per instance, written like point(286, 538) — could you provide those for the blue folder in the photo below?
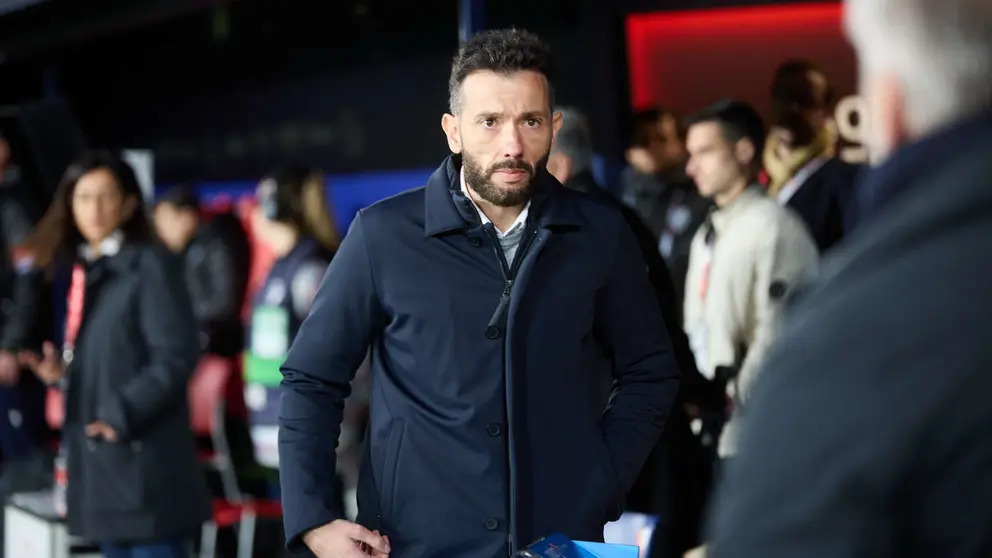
point(603, 550)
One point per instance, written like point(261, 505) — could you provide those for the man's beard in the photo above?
point(481, 181)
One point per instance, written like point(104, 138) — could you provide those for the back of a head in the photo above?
point(575, 140)
point(939, 51)
point(502, 51)
point(737, 120)
point(299, 199)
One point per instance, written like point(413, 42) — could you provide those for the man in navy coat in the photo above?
point(491, 299)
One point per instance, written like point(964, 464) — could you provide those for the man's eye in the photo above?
point(488, 123)
point(533, 122)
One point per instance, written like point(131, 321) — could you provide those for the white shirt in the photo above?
point(509, 239)
point(108, 247)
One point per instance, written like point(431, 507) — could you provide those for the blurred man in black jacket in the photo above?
point(217, 266)
point(674, 481)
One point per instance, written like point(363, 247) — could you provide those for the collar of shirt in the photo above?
point(517, 226)
point(109, 247)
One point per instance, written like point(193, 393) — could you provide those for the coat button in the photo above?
point(494, 429)
point(475, 241)
point(491, 524)
point(492, 332)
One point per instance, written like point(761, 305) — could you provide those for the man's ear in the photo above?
point(449, 123)
point(556, 120)
point(744, 152)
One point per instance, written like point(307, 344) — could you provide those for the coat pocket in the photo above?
point(387, 485)
point(113, 476)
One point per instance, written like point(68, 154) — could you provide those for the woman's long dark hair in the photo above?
point(56, 235)
point(303, 204)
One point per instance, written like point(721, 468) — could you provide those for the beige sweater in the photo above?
point(760, 250)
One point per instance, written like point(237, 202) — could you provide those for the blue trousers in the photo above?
point(172, 548)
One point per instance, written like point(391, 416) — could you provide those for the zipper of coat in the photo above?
point(509, 272)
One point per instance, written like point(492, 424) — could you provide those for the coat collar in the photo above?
point(914, 163)
point(446, 209)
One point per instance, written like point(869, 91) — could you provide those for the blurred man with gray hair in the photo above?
point(868, 434)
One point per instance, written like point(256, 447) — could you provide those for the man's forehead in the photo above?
point(517, 93)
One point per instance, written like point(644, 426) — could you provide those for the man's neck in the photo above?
point(726, 198)
point(502, 217)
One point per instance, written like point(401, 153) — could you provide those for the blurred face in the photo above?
point(886, 128)
point(665, 145)
point(98, 205)
point(718, 167)
point(799, 125)
point(504, 132)
point(174, 225)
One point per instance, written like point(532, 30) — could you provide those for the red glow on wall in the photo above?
point(686, 59)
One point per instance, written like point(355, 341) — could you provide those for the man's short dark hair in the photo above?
point(643, 121)
point(791, 86)
point(180, 196)
point(503, 51)
point(738, 120)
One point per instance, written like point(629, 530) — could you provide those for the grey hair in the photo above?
point(941, 50)
point(575, 140)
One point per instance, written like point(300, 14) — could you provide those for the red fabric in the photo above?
point(54, 401)
point(228, 514)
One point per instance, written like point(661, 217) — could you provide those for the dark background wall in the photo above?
point(225, 90)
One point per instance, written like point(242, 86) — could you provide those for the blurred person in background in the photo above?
point(868, 434)
point(490, 298)
point(135, 485)
point(800, 153)
point(293, 219)
point(23, 293)
point(656, 186)
point(216, 256)
point(672, 484)
point(746, 258)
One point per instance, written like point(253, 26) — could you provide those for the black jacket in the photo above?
point(217, 269)
point(825, 199)
point(868, 434)
point(135, 352)
point(23, 301)
point(487, 422)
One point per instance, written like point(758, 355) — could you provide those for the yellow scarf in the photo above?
point(780, 171)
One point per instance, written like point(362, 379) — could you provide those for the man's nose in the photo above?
point(513, 146)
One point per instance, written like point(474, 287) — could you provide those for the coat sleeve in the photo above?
point(646, 376)
point(28, 286)
point(327, 351)
point(787, 257)
point(168, 332)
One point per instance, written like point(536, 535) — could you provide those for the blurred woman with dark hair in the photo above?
point(294, 222)
point(135, 486)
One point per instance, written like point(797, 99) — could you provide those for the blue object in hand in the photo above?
point(555, 546)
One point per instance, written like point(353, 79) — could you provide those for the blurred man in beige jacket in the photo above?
point(745, 259)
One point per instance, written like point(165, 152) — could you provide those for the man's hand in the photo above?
point(10, 369)
point(48, 366)
point(344, 539)
point(100, 429)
